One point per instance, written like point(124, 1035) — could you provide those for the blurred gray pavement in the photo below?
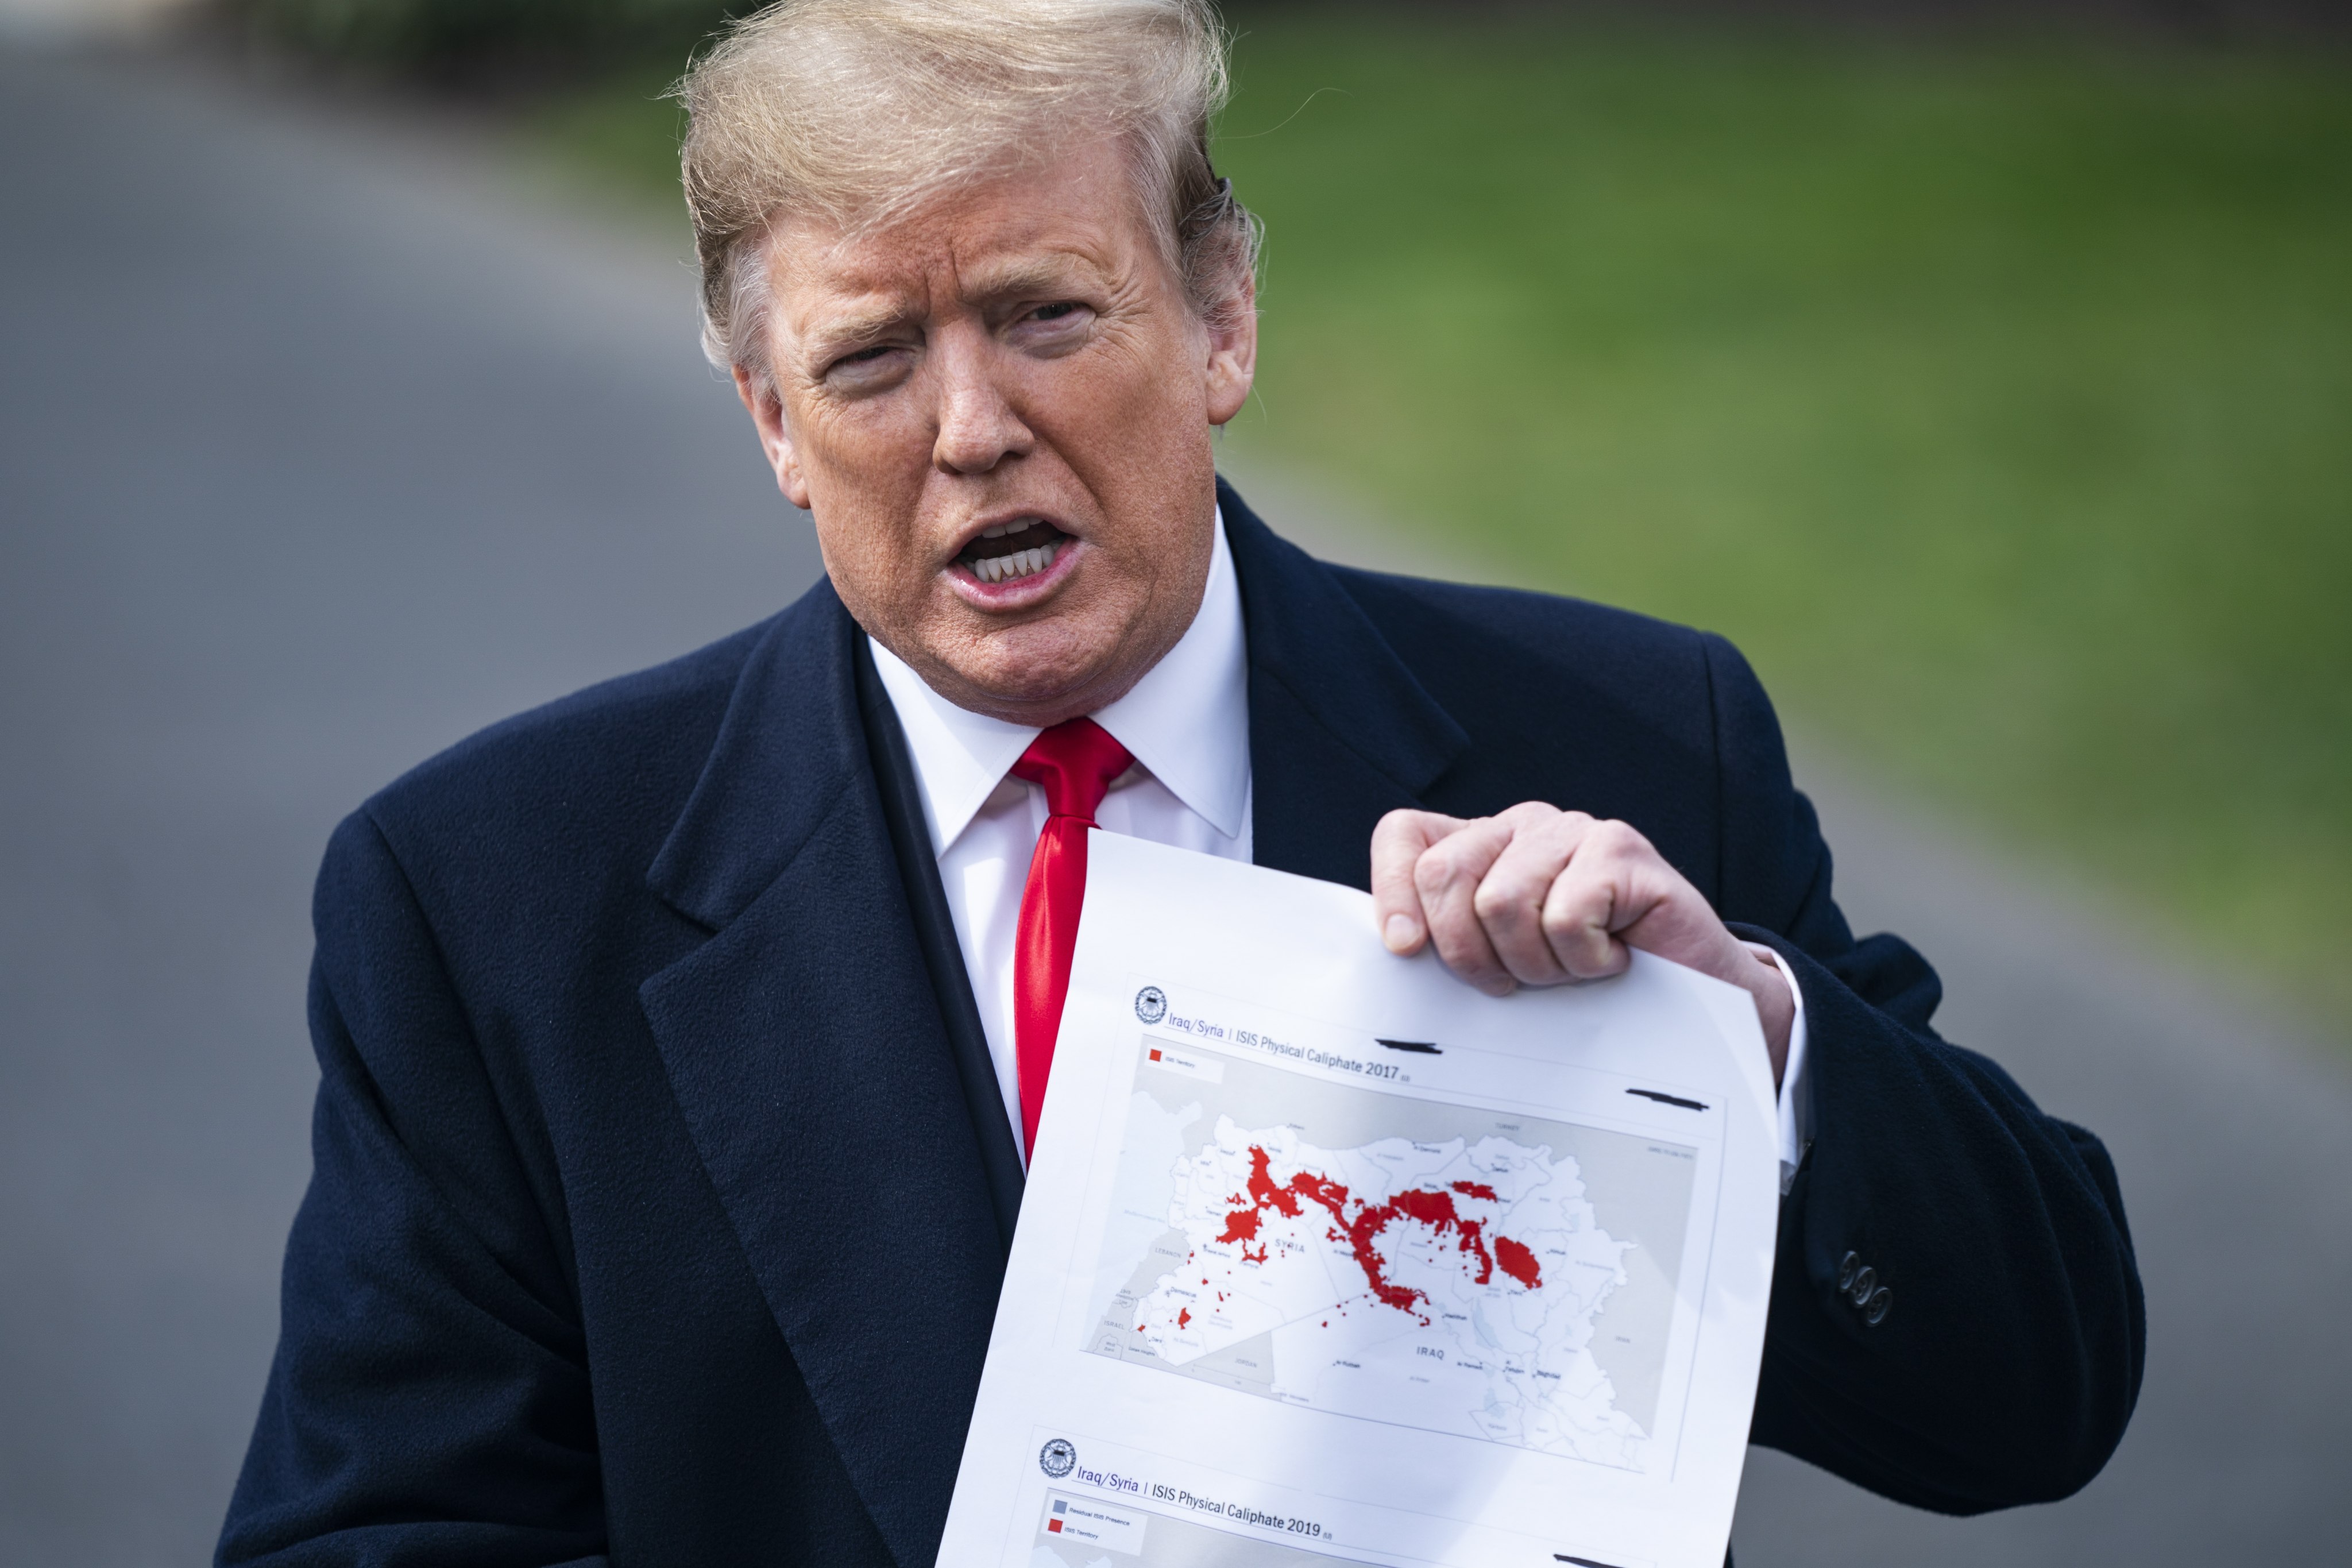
point(321, 445)
point(327, 436)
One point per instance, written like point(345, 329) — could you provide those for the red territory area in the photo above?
point(1362, 1226)
point(1518, 1262)
point(1184, 1318)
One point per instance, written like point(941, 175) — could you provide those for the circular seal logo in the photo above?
point(1151, 1005)
point(1057, 1458)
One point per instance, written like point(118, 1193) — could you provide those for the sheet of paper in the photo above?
point(1326, 1257)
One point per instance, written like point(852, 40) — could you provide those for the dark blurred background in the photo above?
point(1984, 370)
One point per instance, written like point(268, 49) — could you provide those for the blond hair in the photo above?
point(855, 111)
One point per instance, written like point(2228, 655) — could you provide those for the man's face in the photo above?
point(999, 411)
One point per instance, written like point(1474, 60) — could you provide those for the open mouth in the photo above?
point(1011, 551)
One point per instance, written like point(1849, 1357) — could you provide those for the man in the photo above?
point(680, 1043)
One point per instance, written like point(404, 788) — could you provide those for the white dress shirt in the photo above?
point(1186, 723)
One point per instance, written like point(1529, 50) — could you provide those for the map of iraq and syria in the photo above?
point(1383, 1257)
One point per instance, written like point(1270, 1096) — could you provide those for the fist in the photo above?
point(1538, 896)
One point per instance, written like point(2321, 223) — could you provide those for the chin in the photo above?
point(1019, 668)
point(1030, 687)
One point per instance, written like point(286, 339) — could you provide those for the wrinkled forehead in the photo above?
point(1072, 218)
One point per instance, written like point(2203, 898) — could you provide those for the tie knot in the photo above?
point(1073, 762)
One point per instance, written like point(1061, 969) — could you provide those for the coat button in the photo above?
point(1865, 1280)
point(1882, 1301)
point(1846, 1266)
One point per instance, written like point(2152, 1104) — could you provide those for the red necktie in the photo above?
point(1073, 762)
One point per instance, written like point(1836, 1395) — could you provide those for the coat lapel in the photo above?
point(804, 1044)
point(1341, 731)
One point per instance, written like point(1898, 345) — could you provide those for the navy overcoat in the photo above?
point(662, 1189)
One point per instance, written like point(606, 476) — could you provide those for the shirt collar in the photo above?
point(1186, 722)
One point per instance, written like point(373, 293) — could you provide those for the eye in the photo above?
point(868, 369)
point(1057, 327)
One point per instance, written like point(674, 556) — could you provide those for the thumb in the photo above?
point(1397, 844)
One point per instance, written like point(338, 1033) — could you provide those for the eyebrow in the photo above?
point(855, 326)
point(1027, 275)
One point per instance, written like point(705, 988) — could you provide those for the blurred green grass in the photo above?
point(1995, 397)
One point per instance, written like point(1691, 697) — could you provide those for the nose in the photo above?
point(977, 426)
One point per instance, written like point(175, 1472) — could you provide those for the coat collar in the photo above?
point(1340, 731)
point(778, 764)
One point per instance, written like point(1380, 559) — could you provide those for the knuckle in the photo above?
point(1621, 838)
point(1577, 885)
point(1497, 905)
point(1571, 936)
point(1455, 858)
point(1576, 935)
point(1563, 922)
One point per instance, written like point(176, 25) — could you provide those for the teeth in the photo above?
point(1020, 563)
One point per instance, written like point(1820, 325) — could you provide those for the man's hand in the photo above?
point(1538, 896)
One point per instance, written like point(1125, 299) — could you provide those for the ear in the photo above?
point(767, 411)
point(1233, 351)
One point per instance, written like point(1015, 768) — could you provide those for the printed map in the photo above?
point(1372, 1254)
